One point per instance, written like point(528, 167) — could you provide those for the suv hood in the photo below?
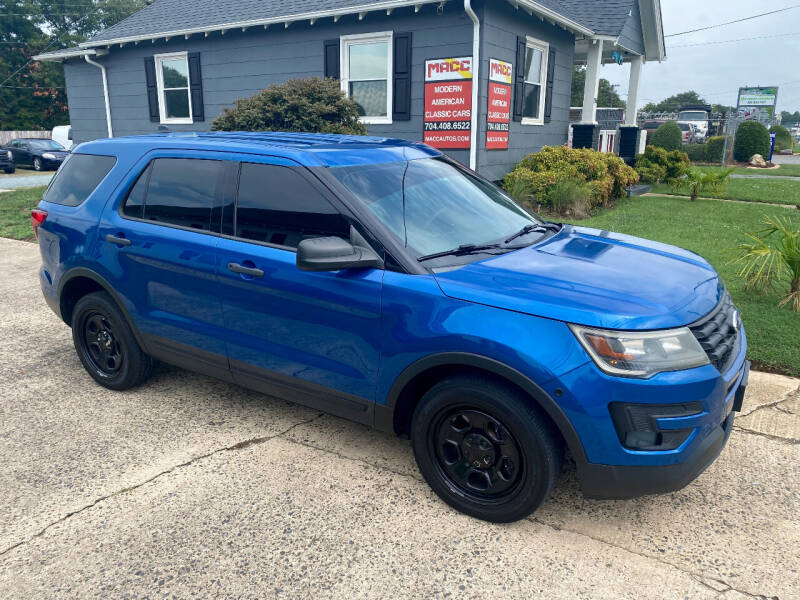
point(594, 278)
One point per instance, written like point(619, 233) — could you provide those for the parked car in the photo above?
point(687, 133)
point(63, 135)
point(381, 281)
point(651, 126)
point(7, 161)
point(39, 153)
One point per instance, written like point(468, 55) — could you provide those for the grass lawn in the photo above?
point(712, 229)
point(784, 171)
point(15, 212)
point(780, 191)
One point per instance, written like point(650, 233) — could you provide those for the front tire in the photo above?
point(485, 448)
point(106, 345)
point(10, 170)
point(37, 163)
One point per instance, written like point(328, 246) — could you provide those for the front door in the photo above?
point(159, 247)
point(313, 335)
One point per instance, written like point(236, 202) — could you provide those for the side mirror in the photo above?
point(333, 254)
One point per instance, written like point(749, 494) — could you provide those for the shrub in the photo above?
point(714, 147)
point(751, 138)
point(605, 175)
point(695, 152)
point(657, 165)
point(667, 136)
point(783, 139)
point(570, 197)
point(313, 105)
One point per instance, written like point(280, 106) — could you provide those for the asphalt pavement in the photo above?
point(190, 487)
point(17, 180)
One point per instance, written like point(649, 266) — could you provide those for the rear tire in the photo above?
point(485, 448)
point(106, 345)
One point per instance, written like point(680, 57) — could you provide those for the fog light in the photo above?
point(637, 424)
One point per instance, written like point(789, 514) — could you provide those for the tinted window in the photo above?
point(47, 145)
point(134, 204)
point(78, 177)
point(182, 191)
point(279, 206)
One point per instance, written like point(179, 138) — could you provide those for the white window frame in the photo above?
point(345, 42)
point(162, 103)
point(544, 47)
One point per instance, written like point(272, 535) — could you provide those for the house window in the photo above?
point(172, 76)
point(535, 82)
point(366, 74)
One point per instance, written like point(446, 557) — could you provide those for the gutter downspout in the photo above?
point(105, 92)
point(476, 61)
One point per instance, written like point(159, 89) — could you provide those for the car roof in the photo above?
point(309, 149)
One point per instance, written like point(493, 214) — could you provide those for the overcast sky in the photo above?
point(716, 71)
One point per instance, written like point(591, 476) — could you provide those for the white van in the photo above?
point(63, 135)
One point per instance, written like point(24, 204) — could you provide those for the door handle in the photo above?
point(251, 271)
point(119, 241)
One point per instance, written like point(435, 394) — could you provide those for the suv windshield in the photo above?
point(433, 205)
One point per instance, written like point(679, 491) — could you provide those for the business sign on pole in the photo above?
point(757, 103)
point(498, 114)
point(448, 103)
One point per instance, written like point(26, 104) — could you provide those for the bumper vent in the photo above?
point(718, 333)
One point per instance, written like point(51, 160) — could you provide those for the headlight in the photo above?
point(49, 156)
point(9, 155)
point(641, 353)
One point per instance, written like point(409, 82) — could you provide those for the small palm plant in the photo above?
point(700, 181)
point(771, 255)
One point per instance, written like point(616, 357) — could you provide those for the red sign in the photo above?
point(448, 103)
point(498, 114)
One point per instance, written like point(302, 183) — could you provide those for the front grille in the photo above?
point(717, 334)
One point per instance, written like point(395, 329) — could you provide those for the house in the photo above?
point(487, 81)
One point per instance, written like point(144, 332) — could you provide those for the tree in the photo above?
point(32, 93)
point(788, 118)
point(607, 96)
point(673, 103)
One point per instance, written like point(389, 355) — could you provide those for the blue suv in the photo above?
point(380, 281)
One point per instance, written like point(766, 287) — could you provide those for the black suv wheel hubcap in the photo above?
point(103, 349)
point(478, 454)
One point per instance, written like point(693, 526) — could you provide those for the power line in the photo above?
point(758, 37)
point(772, 12)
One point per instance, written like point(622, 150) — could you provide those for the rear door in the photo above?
point(159, 244)
point(313, 335)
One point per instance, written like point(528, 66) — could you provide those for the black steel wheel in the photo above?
point(485, 447)
point(106, 344)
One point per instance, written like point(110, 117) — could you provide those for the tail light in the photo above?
point(37, 218)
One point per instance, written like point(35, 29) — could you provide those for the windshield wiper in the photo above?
point(530, 228)
point(461, 250)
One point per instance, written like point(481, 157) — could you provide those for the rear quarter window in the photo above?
point(77, 178)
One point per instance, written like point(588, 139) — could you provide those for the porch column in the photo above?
point(584, 134)
point(633, 90)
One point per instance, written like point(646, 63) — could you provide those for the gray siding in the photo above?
point(502, 23)
point(631, 36)
point(239, 64)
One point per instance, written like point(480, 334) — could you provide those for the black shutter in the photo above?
point(401, 86)
point(152, 88)
point(332, 59)
point(196, 86)
point(548, 92)
point(519, 79)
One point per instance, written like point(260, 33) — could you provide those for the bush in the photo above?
point(312, 105)
point(695, 152)
point(714, 147)
point(751, 138)
point(605, 176)
point(783, 139)
point(667, 136)
point(657, 165)
point(570, 197)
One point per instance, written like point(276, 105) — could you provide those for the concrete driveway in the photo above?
point(188, 487)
